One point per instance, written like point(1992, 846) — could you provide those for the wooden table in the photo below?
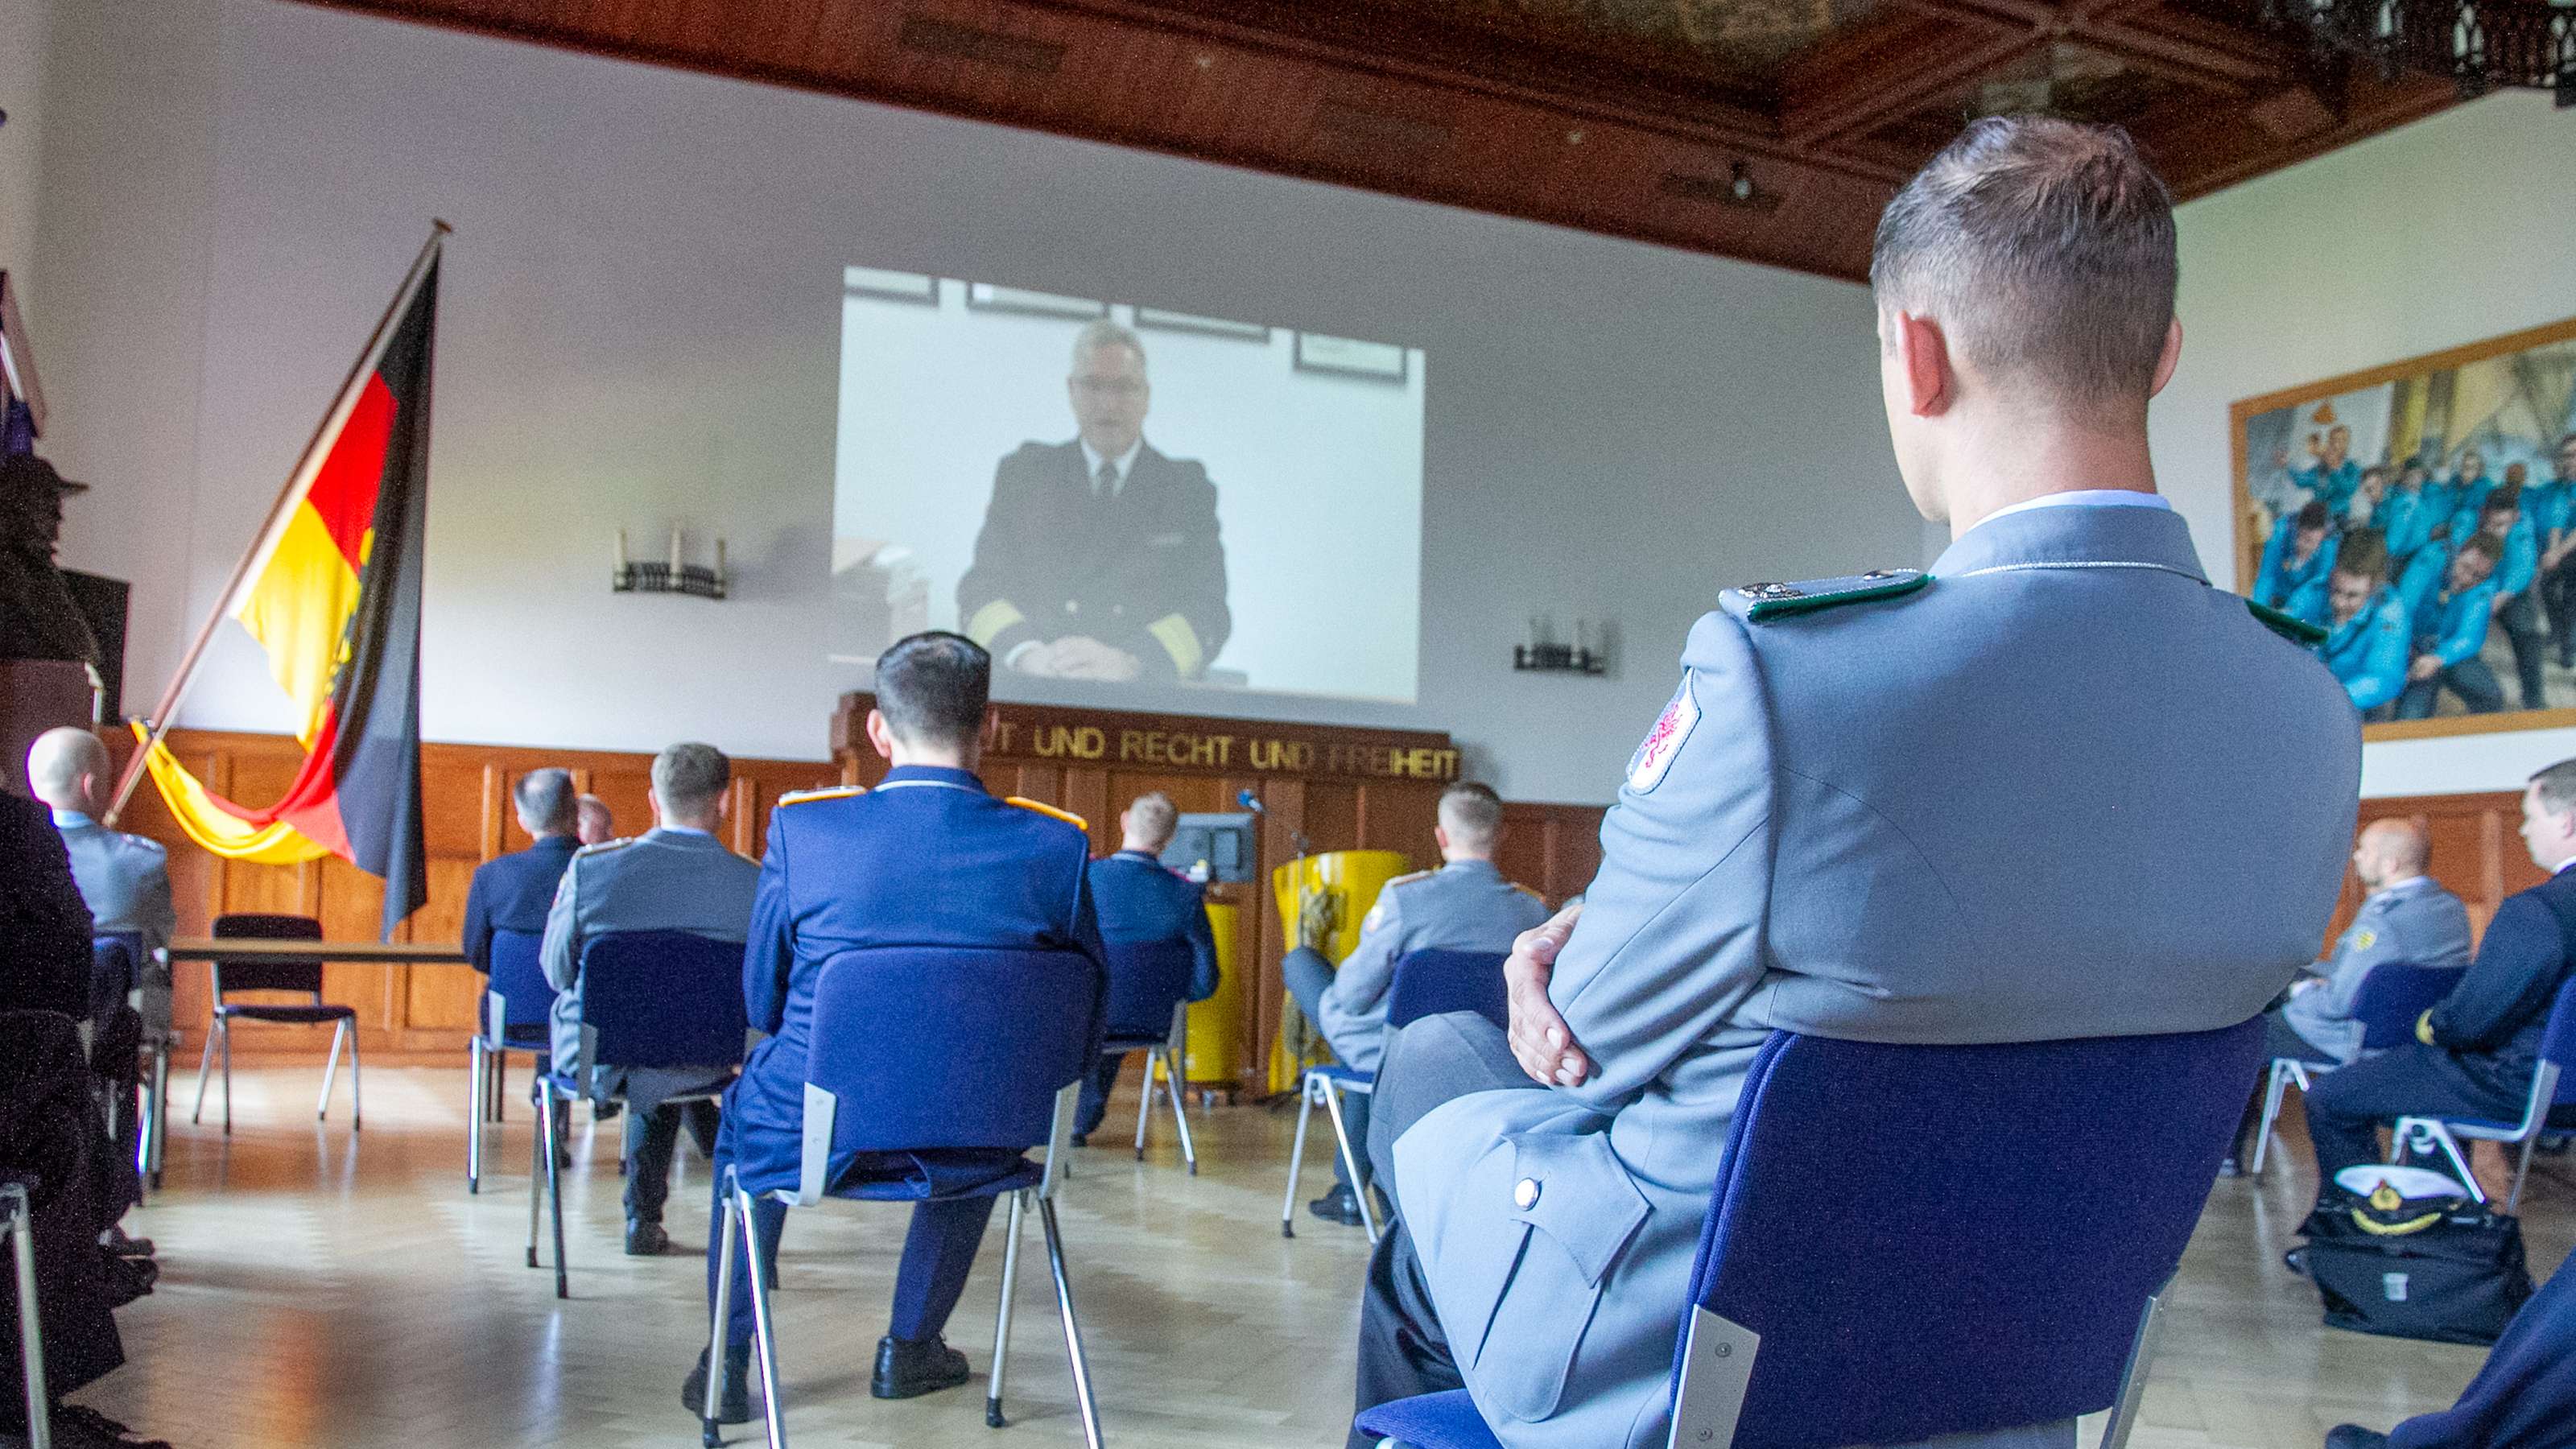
point(366, 953)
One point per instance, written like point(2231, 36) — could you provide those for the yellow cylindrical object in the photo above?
point(1336, 888)
point(1211, 1045)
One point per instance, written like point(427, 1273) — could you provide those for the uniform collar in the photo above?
point(2075, 536)
point(680, 835)
point(2080, 498)
point(72, 820)
point(1143, 855)
point(1472, 866)
point(2411, 883)
point(934, 775)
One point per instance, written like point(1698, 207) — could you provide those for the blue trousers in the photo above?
point(938, 1251)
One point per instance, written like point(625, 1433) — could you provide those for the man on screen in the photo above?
point(1099, 557)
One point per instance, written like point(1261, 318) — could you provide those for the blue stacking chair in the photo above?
point(18, 1224)
point(2392, 996)
point(518, 1015)
point(1149, 990)
point(648, 999)
point(1426, 983)
point(939, 1066)
point(115, 969)
point(300, 977)
point(1938, 1240)
point(2553, 1085)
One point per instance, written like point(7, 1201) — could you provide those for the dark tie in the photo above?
point(1104, 484)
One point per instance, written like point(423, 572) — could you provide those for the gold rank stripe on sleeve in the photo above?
point(1040, 806)
point(992, 619)
point(1181, 642)
point(828, 792)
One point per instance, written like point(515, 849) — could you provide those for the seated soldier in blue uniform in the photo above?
point(2366, 641)
point(1139, 901)
point(2301, 552)
point(2450, 599)
point(927, 858)
point(512, 892)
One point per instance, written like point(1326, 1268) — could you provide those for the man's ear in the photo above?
point(1924, 354)
point(880, 738)
point(990, 730)
point(2169, 359)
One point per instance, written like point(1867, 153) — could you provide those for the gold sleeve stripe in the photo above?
point(1181, 642)
point(839, 792)
point(1040, 806)
point(992, 619)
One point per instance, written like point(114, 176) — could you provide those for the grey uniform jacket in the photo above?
point(2418, 922)
point(126, 881)
point(1465, 905)
point(2067, 790)
point(662, 880)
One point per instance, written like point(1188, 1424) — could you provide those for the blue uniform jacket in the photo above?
point(513, 893)
point(1138, 900)
point(2405, 519)
point(2521, 561)
point(2492, 1021)
point(2451, 626)
point(125, 880)
point(2279, 579)
point(927, 858)
point(2369, 651)
point(2334, 486)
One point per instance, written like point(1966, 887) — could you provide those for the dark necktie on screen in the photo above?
point(1104, 484)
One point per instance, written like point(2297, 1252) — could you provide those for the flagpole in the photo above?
point(298, 483)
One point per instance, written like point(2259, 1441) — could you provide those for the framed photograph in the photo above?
point(1156, 319)
point(893, 286)
point(1383, 361)
point(986, 297)
point(2423, 514)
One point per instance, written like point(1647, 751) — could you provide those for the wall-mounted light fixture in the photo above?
point(669, 576)
point(1588, 654)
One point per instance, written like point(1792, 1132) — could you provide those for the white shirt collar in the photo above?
point(70, 819)
point(2080, 498)
point(2562, 865)
point(1126, 462)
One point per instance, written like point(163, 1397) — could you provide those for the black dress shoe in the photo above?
point(2353, 1436)
point(736, 1408)
point(646, 1240)
point(1341, 1205)
point(909, 1369)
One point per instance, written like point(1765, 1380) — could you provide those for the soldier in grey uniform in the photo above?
point(675, 877)
point(2408, 916)
point(2059, 787)
point(1465, 905)
point(124, 878)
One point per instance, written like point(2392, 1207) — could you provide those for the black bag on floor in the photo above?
point(2417, 1258)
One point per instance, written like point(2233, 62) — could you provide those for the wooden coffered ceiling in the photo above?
point(1771, 130)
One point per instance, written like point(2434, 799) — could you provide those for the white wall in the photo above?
point(2451, 230)
point(25, 26)
point(641, 324)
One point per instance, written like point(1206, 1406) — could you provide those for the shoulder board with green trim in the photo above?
point(1409, 878)
point(1763, 603)
point(2289, 626)
point(1040, 806)
point(827, 792)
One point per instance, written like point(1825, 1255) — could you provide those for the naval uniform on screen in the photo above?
point(1136, 564)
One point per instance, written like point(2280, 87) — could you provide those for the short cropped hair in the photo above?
point(2506, 499)
point(932, 688)
point(1472, 813)
point(548, 804)
point(2045, 248)
point(689, 777)
point(1153, 816)
point(2364, 554)
point(2313, 515)
point(1105, 333)
point(2557, 787)
point(2485, 547)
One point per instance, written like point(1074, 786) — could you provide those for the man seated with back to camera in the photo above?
point(2474, 1054)
point(1140, 901)
point(2406, 918)
point(927, 858)
point(675, 877)
point(514, 892)
point(595, 823)
point(1465, 905)
point(1987, 804)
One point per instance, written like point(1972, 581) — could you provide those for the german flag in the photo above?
point(333, 596)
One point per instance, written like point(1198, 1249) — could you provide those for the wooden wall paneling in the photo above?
point(2477, 850)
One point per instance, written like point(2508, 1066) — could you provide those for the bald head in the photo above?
point(69, 770)
point(2391, 852)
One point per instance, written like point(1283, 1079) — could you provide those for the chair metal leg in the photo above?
point(2133, 1379)
point(1296, 1157)
point(2521, 1172)
point(2273, 1089)
point(339, 1033)
point(205, 1063)
point(537, 1146)
point(478, 1081)
point(719, 1365)
point(157, 1126)
point(764, 1334)
point(1072, 1327)
point(1350, 1159)
point(1177, 1095)
point(1002, 1318)
point(2460, 1159)
point(1145, 1104)
point(227, 1050)
point(357, 1097)
point(21, 1227)
point(548, 1116)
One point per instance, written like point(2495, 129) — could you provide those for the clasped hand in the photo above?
point(1079, 656)
point(1541, 1043)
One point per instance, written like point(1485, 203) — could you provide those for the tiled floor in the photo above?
point(322, 1292)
